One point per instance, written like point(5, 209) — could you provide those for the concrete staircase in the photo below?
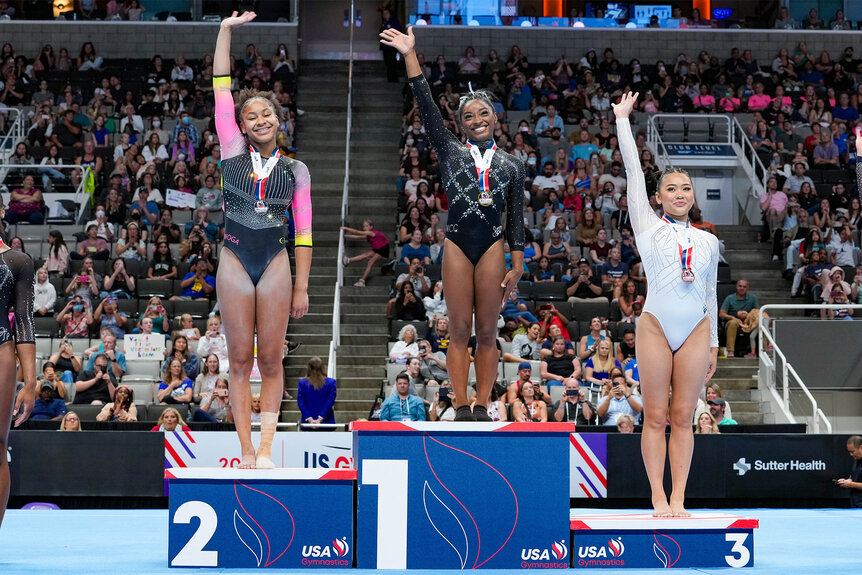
point(738, 380)
point(374, 158)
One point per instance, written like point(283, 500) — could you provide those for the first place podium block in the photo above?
point(256, 518)
point(705, 540)
point(462, 495)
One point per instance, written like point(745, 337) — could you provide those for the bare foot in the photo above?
point(660, 508)
point(247, 461)
point(678, 509)
point(264, 462)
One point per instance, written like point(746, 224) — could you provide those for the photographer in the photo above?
point(167, 226)
point(217, 403)
point(854, 481)
point(416, 276)
point(157, 314)
point(584, 286)
point(619, 401)
point(98, 386)
point(441, 408)
point(120, 284)
point(573, 406)
point(202, 222)
point(407, 307)
point(75, 318)
point(432, 365)
point(549, 316)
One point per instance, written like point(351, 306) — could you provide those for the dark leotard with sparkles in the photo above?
point(471, 226)
point(17, 279)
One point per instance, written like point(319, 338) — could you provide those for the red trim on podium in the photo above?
point(281, 474)
point(396, 426)
point(644, 521)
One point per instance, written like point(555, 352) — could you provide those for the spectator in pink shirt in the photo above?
point(773, 203)
point(704, 102)
point(758, 100)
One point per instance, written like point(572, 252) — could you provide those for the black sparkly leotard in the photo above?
point(473, 227)
point(17, 279)
point(257, 237)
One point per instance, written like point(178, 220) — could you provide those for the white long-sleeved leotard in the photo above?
point(678, 306)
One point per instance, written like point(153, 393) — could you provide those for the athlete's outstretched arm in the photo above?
point(431, 118)
point(301, 205)
point(229, 135)
point(639, 208)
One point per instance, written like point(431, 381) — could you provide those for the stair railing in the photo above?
point(335, 342)
point(778, 375)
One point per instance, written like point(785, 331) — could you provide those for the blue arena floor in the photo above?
point(789, 541)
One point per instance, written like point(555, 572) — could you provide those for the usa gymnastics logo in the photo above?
point(616, 547)
point(544, 558)
point(601, 555)
point(327, 555)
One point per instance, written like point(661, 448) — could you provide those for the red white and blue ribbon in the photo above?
point(261, 175)
point(483, 163)
point(685, 253)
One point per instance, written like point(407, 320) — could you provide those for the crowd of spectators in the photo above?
point(583, 282)
point(138, 137)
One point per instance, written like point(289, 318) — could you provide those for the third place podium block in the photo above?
point(462, 495)
point(705, 540)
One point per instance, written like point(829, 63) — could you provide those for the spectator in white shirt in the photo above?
point(136, 121)
point(44, 295)
point(213, 341)
point(549, 179)
point(182, 71)
point(840, 247)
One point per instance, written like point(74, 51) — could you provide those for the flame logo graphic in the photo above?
point(663, 547)
point(340, 546)
point(560, 550)
point(449, 502)
point(254, 534)
point(616, 546)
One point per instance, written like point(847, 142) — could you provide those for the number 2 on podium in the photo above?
point(390, 477)
point(192, 554)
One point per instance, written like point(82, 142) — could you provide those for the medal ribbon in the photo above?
point(684, 253)
point(262, 171)
point(483, 163)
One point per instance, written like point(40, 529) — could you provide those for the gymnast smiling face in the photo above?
point(259, 121)
point(676, 195)
point(478, 121)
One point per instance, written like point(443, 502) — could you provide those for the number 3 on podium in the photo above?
point(740, 554)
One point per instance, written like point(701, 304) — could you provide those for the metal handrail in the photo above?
point(14, 134)
point(658, 143)
point(758, 175)
point(335, 342)
point(768, 365)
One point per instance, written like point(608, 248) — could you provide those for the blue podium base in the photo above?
point(705, 540)
point(260, 518)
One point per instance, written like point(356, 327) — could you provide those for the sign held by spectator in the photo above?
point(144, 346)
point(179, 199)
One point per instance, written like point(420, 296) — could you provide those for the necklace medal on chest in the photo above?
point(483, 169)
point(684, 245)
point(261, 175)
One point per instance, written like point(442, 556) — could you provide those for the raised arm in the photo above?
point(642, 215)
point(434, 126)
point(232, 140)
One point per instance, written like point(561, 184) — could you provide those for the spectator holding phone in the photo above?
point(214, 342)
point(573, 406)
point(441, 408)
point(119, 283)
point(96, 386)
point(316, 394)
point(157, 314)
point(217, 403)
point(75, 317)
point(619, 401)
point(122, 408)
point(86, 283)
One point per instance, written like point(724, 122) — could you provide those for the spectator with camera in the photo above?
point(75, 317)
point(202, 223)
point(619, 401)
point(66, 362)
point(96, 386)
point(417, 278)
point(119, 284)
point(167, 227)
point(574, 406)
point(402, 405)
point(180, 350)
point(432, 365)
point(441, 408)
point(215, 406)
point(837, 296)
point(49, 375)
point(122, 408)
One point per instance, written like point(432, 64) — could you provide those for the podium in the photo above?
point(462, 495)
point(260, 518)
point(704, 540)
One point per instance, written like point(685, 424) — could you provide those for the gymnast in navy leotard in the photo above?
point(17, 280)
point(481, 183)
point(256, 292)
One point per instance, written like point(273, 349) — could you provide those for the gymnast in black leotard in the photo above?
point(255, 290)
point(481, 182)
point(17, 280)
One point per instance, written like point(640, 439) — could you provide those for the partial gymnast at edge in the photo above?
point(255, 289)
point(480, 182)
point(677, 343)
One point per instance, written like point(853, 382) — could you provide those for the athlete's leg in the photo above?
point(690, 363)
point(274, 293)
point(236, 291)
point(459, 300)
point(7, 395)
point(488, 296)
point(655, 362)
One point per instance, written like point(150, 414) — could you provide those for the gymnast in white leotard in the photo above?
point(677, 341)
